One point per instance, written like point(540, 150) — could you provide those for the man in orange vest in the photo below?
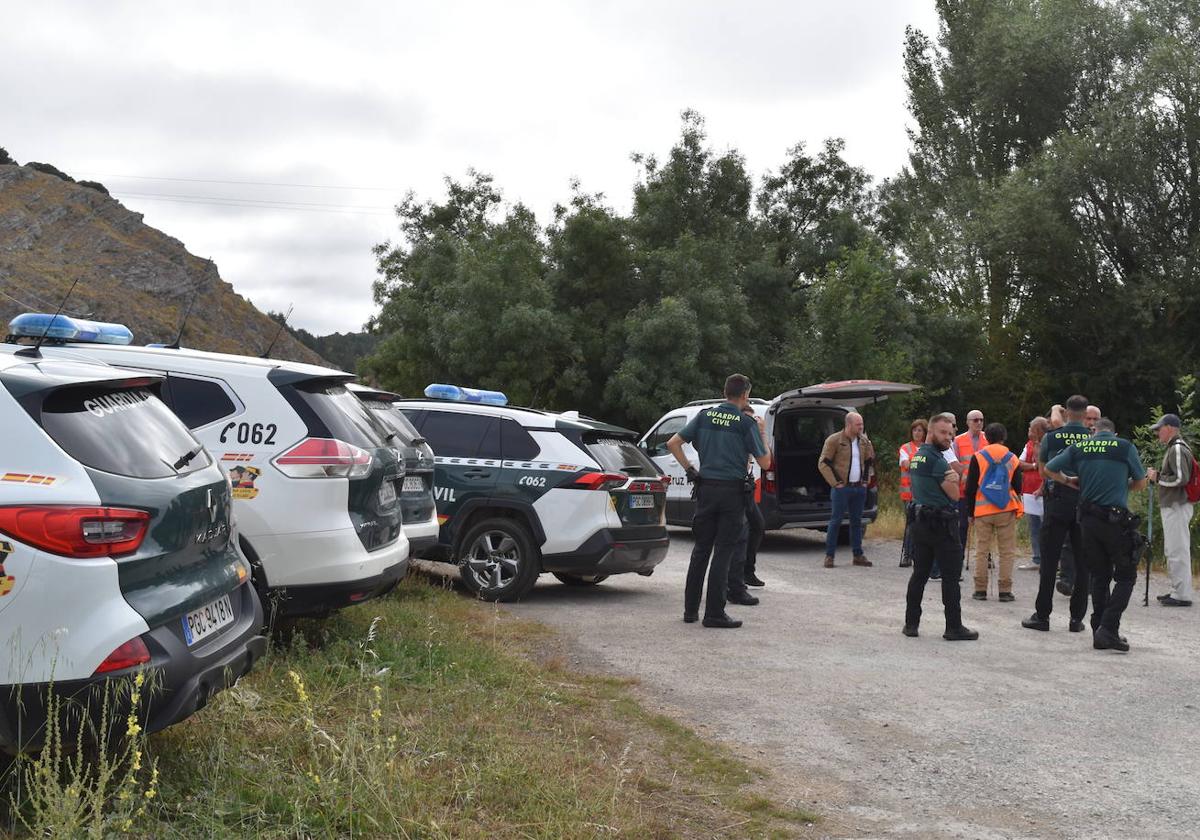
point(994, 505)
point(965, 447)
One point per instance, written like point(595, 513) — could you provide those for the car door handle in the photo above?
point(477, 473)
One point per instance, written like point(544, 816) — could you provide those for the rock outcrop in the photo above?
point(54, 231)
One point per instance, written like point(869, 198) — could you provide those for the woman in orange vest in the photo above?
point(994, 505)
point(917, 432)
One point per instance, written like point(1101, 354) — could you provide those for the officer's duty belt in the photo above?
point(939, 514)
point(1115, 514)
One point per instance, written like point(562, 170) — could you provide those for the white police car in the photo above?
point(416, 496)
point(116, 550)
point(791, 493)
point(520, 492)
point(316, 482)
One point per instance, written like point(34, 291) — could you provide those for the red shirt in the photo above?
point(1031, 480)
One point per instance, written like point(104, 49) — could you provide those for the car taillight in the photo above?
point(655, 486)
point(324, 458)
point(76, 531)
point(768, 478)
point(134, 652)
point(599, 481)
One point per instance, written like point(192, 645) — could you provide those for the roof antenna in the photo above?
point(266, 353)
point(35, 351)
point(174, 345)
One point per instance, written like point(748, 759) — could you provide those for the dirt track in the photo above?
point(1021, 734)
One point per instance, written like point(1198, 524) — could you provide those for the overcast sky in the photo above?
point(393, 96)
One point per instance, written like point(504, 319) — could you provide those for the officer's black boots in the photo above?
point(961, 634)
point(1105, 639)
point(753, 580)
point(1036, 622)
point(721, 621)
point(910, 630)
point(1075, 626)
point(744, 599)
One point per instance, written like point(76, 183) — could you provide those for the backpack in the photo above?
point(1192, 488)
point(996, 483)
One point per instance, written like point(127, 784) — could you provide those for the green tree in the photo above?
point(465, 298)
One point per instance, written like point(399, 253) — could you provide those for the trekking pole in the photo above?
point(1149, 544)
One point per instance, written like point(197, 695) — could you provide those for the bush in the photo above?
point(50, 170)
point(94, 185)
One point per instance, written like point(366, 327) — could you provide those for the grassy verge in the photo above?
point(429, 715)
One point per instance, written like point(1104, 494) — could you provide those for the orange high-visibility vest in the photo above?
point(910, 449)
point(965, 449)
point(984, 507)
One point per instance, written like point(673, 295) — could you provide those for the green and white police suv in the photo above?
point(117, 551)
point(416, 495)
point(521, 491)
point(316, 479)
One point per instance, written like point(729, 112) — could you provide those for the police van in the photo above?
point(520, 492)
point(791, 492)
point(316, 481)
point(416, 496)
point(116, 551)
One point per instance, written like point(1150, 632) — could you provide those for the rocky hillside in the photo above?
point(54, 231)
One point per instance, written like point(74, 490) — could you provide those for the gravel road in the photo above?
point(1020, 734)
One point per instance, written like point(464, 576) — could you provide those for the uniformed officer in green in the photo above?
point(934, 530)
point(1060, 523)
point(1108, 467)
point(724, 438)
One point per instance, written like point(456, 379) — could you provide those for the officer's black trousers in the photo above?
point(1059, 525)
point(935, 541)
point(745, 553)
point(720, 515)
point(1107, 555)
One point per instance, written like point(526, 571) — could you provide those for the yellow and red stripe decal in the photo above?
point(238, 456)
point(28, 478)
point(442, 519)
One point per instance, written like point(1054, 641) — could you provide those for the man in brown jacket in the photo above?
point(846, 462)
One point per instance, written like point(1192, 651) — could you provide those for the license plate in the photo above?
point(387, 493)
point(637, 502)
point(414, 484)
point(208, 620)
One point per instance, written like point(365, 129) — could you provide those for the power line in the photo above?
point(43, 302)
point(250, 183)
point(258, 205)
point(322, 204)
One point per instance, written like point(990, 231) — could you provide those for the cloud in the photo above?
point(396, 96)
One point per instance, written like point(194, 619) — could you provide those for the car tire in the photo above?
point(497, 560)
point(579, 580)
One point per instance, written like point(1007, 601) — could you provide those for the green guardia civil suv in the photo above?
point(520, 492)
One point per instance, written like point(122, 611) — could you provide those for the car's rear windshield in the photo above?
point(128, 432)
point(618, 455)
point(342, 413)
point(391, 417)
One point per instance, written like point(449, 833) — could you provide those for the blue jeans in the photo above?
point(845, 500)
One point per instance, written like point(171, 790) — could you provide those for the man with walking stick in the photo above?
point(1176, 510)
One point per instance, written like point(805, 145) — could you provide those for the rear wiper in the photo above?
point(186, 458)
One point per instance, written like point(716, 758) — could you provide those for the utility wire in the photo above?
point(258, 206)
point(322, 204)
point(44, 303)
point(252, 183)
